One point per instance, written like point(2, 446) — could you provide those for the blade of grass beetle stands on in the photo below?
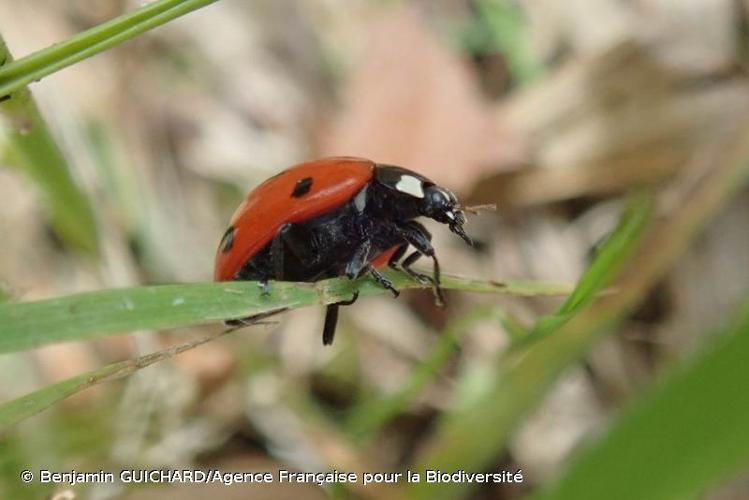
point(470, 436)
point(31, 148)
point(34, 67)
point(27, 325)
point(16, 410)
point(684, 436)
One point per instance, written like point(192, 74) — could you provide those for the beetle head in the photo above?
point(441, 205)
point(423, 197)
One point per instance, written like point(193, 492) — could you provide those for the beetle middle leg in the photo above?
point(421, 239)
point(382, 280)
point(354, 268)
point(359, 264)
point(291, 240)
point(331, 318)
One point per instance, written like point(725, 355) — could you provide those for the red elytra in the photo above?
point(269, 206)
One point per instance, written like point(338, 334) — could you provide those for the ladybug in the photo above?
point(341, 216)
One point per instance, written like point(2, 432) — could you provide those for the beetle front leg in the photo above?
point(397, 255)
point(422, 278)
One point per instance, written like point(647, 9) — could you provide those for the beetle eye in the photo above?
point(439, 197)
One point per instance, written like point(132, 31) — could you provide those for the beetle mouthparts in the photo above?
point(458, 229)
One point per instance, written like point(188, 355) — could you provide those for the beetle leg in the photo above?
point(382, 280)
point(418, 236)
point(354, 268)
point(359, 262)
point(277, 251)
point(422, 278)
point(295, 240)
point(331, 319)
point(405, 266)
point(399, 252)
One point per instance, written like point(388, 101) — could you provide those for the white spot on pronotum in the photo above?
point(128, 304)
point(178, 301)
point(410, 185)
point(450, 215)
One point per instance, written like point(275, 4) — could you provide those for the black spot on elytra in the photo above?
point(227, 241)
point(302, 187)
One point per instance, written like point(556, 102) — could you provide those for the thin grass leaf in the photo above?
point(21, 408)
point(683, 437)
point(472, 435)
point(609, 259)
point(29, 146)
point(34, 67)
point(612, 254)
point(82, 316)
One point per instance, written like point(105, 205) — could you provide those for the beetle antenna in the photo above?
point(475, 209)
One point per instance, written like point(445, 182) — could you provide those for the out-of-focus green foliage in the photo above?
point(500, 26)
point(29, 146)
point(84, 434)
point(686, 435)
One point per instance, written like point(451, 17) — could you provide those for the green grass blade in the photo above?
point(16, 410)
point(81, 316)
point(685, 436)
point(608, 262)
point(18, 74)
point(31, 148)
point(613, 253)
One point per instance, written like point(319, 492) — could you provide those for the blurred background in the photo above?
point(553, 110)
